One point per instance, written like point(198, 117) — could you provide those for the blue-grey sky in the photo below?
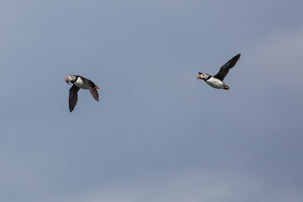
point(158, 133)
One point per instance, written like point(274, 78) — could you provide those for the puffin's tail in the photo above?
point(226, 87)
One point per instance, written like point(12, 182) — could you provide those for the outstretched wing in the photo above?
point(225, 68)
point(92, 89)
point(73, 97)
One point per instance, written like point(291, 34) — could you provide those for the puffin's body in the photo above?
point(83, 83)
point(215, 83)
point(217, 80)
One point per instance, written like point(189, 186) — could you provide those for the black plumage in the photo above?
point(80, 82)
point(73, 97)
point(226, 67)
point(92, 88)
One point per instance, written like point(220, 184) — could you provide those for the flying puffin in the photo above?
point(80, 82)
point(217, 80)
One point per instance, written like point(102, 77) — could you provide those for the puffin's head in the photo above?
point(202, 76)
point(70, 78)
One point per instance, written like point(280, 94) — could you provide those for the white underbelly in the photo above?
point(81, 84)
point(215, 83)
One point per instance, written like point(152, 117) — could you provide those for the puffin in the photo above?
point(83, 83)
point(217, 80)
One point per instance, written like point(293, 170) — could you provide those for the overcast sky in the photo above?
point(158, 133)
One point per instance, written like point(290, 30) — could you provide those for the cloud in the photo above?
point(191, 186)
point(278, 59)
point(157, 134)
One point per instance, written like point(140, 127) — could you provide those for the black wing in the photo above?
point(225, 68)
point(92, 89)
point(73, 97)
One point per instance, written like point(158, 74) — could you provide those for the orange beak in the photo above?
point(198, 77)
point(67, 80)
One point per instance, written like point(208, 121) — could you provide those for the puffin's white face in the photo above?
point(71, 79)
point(202, 76)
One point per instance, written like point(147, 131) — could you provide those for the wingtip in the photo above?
point(236, 57)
